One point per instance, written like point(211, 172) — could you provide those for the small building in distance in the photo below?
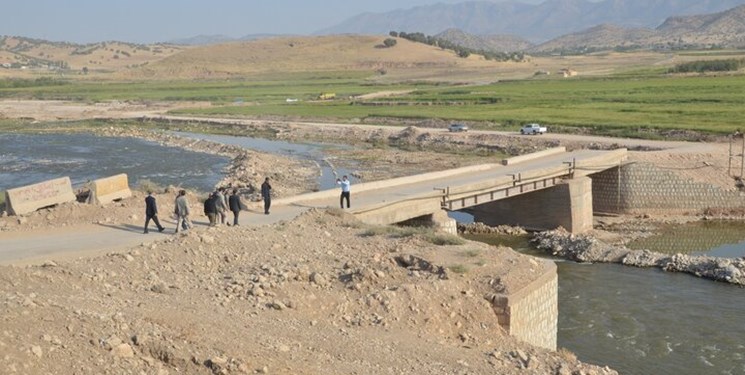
point(566, 72)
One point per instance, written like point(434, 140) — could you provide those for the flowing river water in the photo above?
point(647, 321)
point(638, 321)
point(28, 159)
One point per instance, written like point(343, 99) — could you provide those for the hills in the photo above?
point(19, 53)
point(285, 55)
point(719, 30)
point(217, 39)
point(536, 23)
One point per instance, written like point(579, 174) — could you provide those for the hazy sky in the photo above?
point(146, 21)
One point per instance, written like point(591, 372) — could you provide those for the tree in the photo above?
point(393, 34)
point(389, 42)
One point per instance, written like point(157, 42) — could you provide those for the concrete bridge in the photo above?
point(538, 191)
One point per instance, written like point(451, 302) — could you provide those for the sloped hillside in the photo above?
point(724, 28)
point(19, 54)
point(296, 54)
point(598, 37)
point(491, 43)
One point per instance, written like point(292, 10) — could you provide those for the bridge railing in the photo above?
point(456, 198)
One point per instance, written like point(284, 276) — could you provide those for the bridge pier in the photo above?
point(568, 204)
point(439, 220)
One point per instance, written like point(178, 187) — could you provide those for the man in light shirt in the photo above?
point(344, 183)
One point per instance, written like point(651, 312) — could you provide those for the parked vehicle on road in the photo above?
point(534, 129)
point(457, 128)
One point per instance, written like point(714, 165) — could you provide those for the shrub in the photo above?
point(709, 66)
point(389, 42)
point(147, 185)
point(442, 239)
point(458, 268)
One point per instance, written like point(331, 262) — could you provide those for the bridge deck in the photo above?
point(420, 191)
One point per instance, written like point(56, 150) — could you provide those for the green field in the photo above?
point(623, 105)
point(706, 104)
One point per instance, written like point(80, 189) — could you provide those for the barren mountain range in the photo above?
point(725, 29)
point(537, 23)
point(719, 30)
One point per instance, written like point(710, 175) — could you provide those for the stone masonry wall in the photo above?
point(644, 188)
point(568, 204)
point(531, 314)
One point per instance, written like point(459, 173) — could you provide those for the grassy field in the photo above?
point(627, 104)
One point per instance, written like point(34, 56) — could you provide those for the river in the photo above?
point(647, 321)
point(27, 159)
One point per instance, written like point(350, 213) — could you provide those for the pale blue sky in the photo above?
point(146, 21)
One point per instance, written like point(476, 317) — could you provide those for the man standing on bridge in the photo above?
point(151, 212)
point(344, 183)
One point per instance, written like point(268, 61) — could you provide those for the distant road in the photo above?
point(586, 139)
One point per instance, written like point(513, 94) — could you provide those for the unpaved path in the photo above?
point(42, 245)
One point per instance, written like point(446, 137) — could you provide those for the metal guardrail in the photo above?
point(516, 187)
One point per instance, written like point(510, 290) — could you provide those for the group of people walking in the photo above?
point(218, 203)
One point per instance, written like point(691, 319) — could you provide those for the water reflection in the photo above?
point(714, 238)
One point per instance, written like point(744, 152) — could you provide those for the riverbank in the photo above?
point(590, 249)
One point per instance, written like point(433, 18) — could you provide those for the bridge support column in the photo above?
point(439, 221)
point(443, 223)
point(568, 205)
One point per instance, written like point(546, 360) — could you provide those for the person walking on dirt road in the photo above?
point(151, 212)
point(182, 211)
point(266, 193)
point(235, 204)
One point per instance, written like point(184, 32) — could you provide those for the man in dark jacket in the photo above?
point(210, 209)
point(266, 193)
point(151, 212)
point(234, 202)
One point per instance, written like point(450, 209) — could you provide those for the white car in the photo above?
point(457, 128)
point(534, 129)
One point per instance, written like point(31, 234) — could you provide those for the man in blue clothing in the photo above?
point(344, 183)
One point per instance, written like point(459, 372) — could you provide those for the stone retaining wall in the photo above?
point(640, 188)
point(531, 314)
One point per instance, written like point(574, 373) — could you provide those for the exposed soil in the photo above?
point(319, 294)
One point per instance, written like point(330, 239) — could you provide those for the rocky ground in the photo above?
point(320, 294)
point(589, 248)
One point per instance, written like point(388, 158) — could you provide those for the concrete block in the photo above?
point(26, 199)
point(109, 189)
